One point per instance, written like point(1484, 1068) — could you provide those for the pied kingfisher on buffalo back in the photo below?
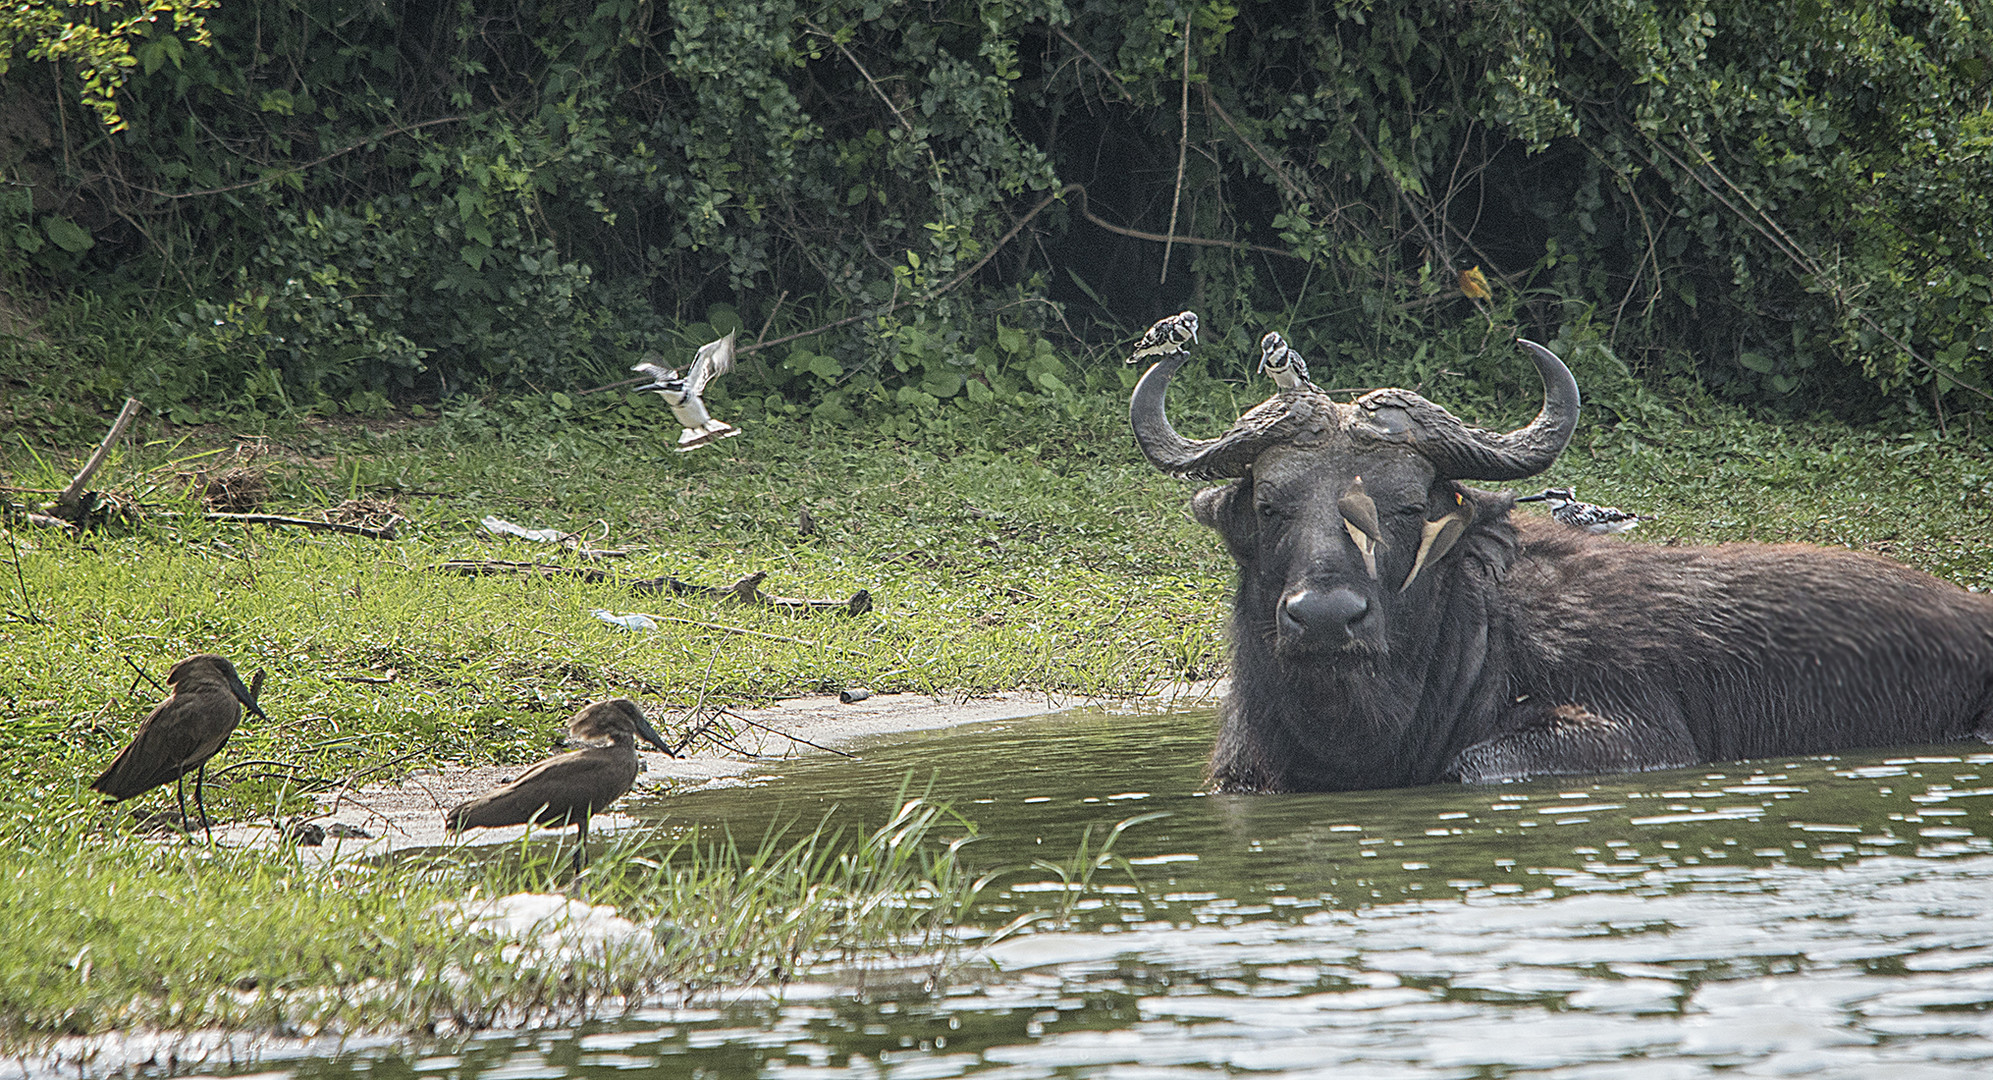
point(682, 392)
point(1279, 360)
point(1167, 336)
point(1565, 507)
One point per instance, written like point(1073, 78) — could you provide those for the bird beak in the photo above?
point(651, 736)
point(243, 694)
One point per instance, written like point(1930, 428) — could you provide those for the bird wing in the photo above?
point(658, 373)
point(553, 791)
point(715, 359)
point(1166, 336)
point(174, 739)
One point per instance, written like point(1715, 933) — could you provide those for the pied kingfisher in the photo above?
point(1565, 507)
point(1167, 336)
point(681, 392)
point(1279, 360)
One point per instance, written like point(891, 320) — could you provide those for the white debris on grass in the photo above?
point(635, 620)
point(547, 929)
point(499, 525)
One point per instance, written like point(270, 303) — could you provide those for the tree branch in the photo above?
point(69, 504)
point(1182, 150)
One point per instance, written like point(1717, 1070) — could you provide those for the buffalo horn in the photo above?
point(1456, 451)
point(1459, 452)
point(1221, 458)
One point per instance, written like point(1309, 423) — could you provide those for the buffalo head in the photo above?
point(1341, 516)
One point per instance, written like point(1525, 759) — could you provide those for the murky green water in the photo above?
point(1819, 917)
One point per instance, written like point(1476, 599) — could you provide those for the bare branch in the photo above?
point(69, 504)
point(1182, 149)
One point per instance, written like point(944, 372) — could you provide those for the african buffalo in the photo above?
point(1392, 626)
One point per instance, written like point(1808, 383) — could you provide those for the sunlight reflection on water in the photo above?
point(1825, 917)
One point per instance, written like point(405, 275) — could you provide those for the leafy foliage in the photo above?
point(367, 202)
point(103, 39)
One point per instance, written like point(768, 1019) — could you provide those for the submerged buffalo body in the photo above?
point(1392, 626)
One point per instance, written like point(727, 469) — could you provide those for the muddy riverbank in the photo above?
point(408, 813)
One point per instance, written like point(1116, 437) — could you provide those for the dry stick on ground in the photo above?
point(69, 504)
point(142, 674)
point(345, 787)
point(783, 734)
point(485, 567)
point(750, 633)
point(693, 733)
point(385, 532)
point(290, 772)
point(744, 591)
point(698, 703)
point(44, 521)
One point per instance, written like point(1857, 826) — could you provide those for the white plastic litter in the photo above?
point(505, 528)
point(635, 620)
point(547, 928)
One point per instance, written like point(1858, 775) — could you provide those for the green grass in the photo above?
point(115, 933)
point(1005, 549)
point(988, 572)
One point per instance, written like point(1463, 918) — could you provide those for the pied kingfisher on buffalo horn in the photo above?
point(1279, 360)
point(1167, 336)
point(682, 392)
point(1565, 507)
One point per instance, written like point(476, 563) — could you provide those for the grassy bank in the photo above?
point(114, 933)
point(1060, 565)
point(1007, 549)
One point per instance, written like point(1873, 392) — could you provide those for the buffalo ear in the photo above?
point(1211, 505)
point(1228, 511)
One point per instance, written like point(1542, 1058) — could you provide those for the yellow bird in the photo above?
point(1474, 284)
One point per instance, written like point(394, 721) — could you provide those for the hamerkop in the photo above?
point(182, 733)
point(565, 790)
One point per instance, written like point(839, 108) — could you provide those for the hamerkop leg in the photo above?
point(201, 804)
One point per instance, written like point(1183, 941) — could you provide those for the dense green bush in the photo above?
point(350, 202)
